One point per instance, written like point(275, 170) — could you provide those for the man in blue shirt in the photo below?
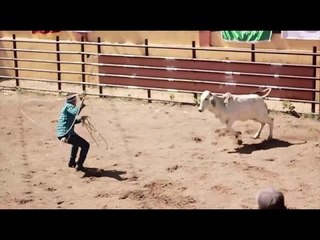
point(65, 131)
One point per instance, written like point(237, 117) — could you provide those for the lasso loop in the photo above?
point(92, 130)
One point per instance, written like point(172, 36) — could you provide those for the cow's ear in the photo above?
point(213, 102)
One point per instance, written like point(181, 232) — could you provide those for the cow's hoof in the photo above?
point(239, 141)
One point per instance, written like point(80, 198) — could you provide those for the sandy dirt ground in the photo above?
point(158, 156)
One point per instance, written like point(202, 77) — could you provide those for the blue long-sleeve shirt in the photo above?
point(67, 118)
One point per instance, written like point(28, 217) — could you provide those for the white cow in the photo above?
point(230, 108)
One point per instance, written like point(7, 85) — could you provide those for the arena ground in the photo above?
point(158, 156)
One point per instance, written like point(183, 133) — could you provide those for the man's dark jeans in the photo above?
point(76, 141)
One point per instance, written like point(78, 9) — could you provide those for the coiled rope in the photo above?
point(91, 130)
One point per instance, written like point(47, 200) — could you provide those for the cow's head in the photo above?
point(205, 100)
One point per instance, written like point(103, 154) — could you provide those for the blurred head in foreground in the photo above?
point(270, 198)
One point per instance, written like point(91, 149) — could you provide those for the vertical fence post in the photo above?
point(193, 49)
point(314, 85)
point(15, 56)
point(83, 66)
point(146, 49)
point(146, 53)
point(99, 51)
point(58, 62)
point(194, 55)
point(253, 54)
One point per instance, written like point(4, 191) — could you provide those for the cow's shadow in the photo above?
point(98, 172)
point(264, 145)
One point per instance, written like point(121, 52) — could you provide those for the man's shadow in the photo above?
point(264, 145)
point(98, 172)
